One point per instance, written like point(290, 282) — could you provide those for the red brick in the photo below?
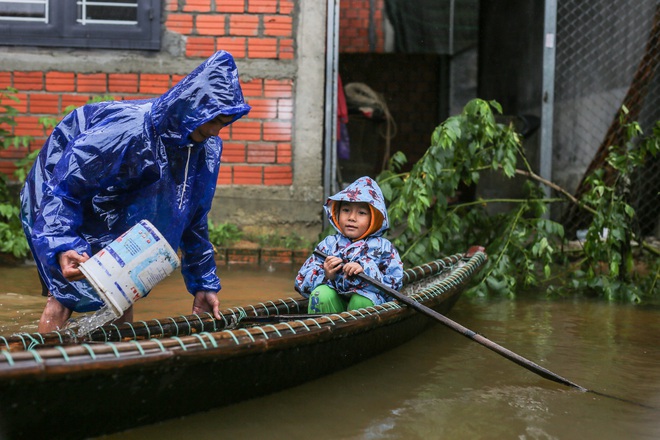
point(73, 100)
point(262, 48)
point(231, 6)
point(262, 6)
point(7, 168)
point(286, 7)
point(350, 12)
point(246, 130)
point(261, 153)
point(284, 109)
point(123, 82)
point(197, 6)
point(278, 175)
point(278, 26)
point(354, 23)
point(286, 49)
point(253, 87)
point(242, 256)
point(224, 177)
point(282, 256)
point(177, 78)
point(246, 175)
point(172, 5)
point(92, 82)
point(200, 47)
point(60, 81)
point(211, 25)
point(134, 97)
point(233, 152)
point(247, 25)
point(347, 35)
point(263, 108)
point(29, 80)
point(156, 83)
point(28, 126)
point(5, 80)
point(37, 142)
point(277, 131)
point(179, 23)
point(235, 46)
point(21, 105)
point(284, 153)
point(13, 152)
point(42, 103)
point(274, 88)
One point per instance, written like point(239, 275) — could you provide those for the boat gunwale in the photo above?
point(225, 342)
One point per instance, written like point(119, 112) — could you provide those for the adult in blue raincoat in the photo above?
point(359, 215)
point(108, 165)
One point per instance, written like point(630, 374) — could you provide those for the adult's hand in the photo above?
point(206, 302)
point(69, 262)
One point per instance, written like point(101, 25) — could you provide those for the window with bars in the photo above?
point(109, 24)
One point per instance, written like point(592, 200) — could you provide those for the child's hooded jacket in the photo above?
point(377, 256)
point(108, 165)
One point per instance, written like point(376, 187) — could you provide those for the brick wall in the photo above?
point(356, 17)
point(257, 147)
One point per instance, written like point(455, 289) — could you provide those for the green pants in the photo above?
point(325, 299)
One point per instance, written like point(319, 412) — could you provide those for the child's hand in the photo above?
point(331, 266)
point(352, 269)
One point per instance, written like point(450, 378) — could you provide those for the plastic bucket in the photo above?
point(129, 267)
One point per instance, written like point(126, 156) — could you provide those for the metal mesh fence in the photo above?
point(434, 26)
point(607, 55)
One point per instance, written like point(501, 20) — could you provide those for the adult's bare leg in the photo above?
point(54, 316)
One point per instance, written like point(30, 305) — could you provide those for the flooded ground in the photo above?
point(21, 302)
point(440, 385)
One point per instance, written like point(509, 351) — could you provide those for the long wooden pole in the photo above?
point(526, 363)
point(523, 362)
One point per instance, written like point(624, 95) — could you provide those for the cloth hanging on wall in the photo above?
point(343, 141)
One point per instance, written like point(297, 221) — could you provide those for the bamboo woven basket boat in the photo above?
point(122, 376)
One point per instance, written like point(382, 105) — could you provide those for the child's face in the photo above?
point(354, 219)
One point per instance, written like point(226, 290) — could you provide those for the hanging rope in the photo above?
point(362, 95)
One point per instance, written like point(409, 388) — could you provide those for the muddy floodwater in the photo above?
point(440, 385)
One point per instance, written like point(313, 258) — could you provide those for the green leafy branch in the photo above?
point(12, 240)
point(524, 247)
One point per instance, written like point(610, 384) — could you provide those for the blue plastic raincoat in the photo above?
point(108, 165)
point(376, 254)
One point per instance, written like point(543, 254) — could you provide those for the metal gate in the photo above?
point(607, 55)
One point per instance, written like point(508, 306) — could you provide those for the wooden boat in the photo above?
point(123, 376)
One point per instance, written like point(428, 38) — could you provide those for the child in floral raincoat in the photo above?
point(359, 215)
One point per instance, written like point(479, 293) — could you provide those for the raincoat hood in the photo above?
point(366, 190)
point(212, 89)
